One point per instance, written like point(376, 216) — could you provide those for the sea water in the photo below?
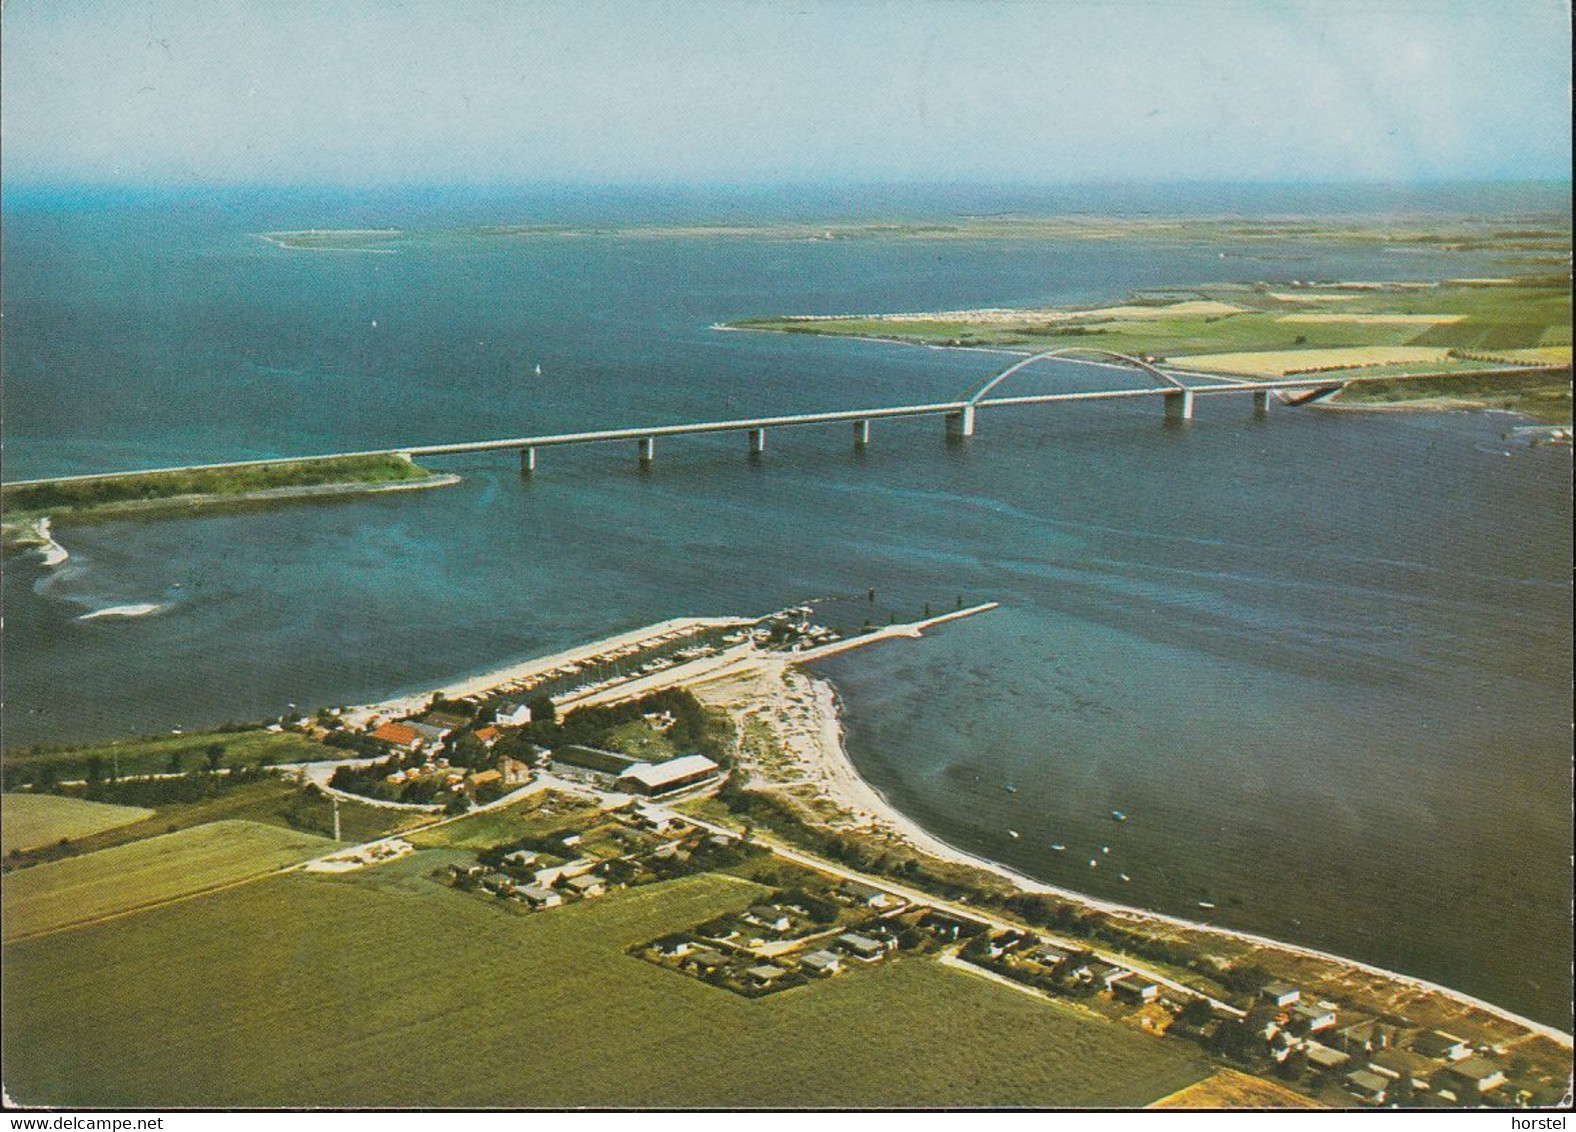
point(1320, 660)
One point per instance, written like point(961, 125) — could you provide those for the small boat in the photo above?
point(1014, 834)
point(1010, 788)
point(1058, 847)
point(1105, 848)
point(538, 369)
point(1125, 877)
point(1118, 815)
point(1093, 863)
point(1205, 904)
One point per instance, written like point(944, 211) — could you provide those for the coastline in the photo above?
point(804, 711)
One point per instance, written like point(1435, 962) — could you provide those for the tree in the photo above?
point(543, 710)
point(177, 759)
point(1197, 1012)
point(213, 752)
point(95, 770)
point(457, 804)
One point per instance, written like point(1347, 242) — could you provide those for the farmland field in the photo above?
point(322, 991)
point(28, 820)
point(494, 827)
point(79, 889)
point(170, 754)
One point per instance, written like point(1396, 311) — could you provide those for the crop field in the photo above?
point(1231, 1089)
point(28, 820)
point(494, 827)
point(1278, 363)
point(47, 897)
point(384, 988)
point(167, 754)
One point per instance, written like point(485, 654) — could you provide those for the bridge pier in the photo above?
point(960, 424)
point(1179, 405)
point(757, 443)
point(861, 434)
point(527, 461)
point(1261, 402)
point(648, 450)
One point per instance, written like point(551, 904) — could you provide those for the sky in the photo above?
point(992, 91)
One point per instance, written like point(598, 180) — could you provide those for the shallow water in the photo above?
point(1320, 660)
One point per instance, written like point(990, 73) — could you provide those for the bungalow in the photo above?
point(1048, 956)
point(488, 735)
point(675, 948)
point(1442, 1046)
point(510, 714)
point(521, 858)
point(1312, 1017)
point(1368, 1087)
point(862, 946)
point(401, 735)
point(1401, 1063)
point(1323, 1058)
point(868, 895)
point(1475, 1075)
point(764, 975)
point(821, 963)
point(469, 872)
point(706, 959)
point(1366, 1035)
point(538, 897)
point(769, 917)
point(586, 886)
point(1106, 973)
point(501, 883)
point(445, 720)
point(1279, 994)
point(1132, 988)
point(948, 927)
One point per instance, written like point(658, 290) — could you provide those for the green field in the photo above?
point(168, 754)
point(63, 498)
point(495, 827)
point(61, 893)
point(383, 988)
point(28, 821)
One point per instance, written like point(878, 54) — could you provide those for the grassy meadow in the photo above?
point(167, 754)
point(59, 894)
point(385, 988)
point(28, 821)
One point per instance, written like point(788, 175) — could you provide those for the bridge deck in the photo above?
point(941, 408)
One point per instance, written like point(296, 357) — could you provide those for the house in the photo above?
point(538, 897)
point(430, 735)
point(1048, 956)
point(515, 772)
point(1133, 988)
point(821, 963)
point(764, 975)
point(401, 735)
point(1106, 973)
point(1312, 1017)
point(594, 758)
point(1279, 994)
point(501, 883)
point(520, 858)
point(511, 714)
point(1366, 1035)
point(862, 946)
point(1442, 1046)
point(868, 895)
point(665, 777)
point(587, 885)
point(706, 959)
point(1475, 1075)
point(1402, 1063)
point(674, 948)
point(467, 872)
point(770, 917)
point(1323, 1058)
point(445, 721)
point(484, 778)
point(488, 735)
point(1368, 1087)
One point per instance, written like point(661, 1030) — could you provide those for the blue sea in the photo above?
point(1321, 660)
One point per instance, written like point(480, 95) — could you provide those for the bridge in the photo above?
point(1176, 397)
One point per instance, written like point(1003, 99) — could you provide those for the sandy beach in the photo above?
point(803, 713)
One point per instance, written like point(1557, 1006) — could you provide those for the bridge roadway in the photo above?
point(1176, 397)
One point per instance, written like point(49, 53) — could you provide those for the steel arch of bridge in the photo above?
point(979, 391)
